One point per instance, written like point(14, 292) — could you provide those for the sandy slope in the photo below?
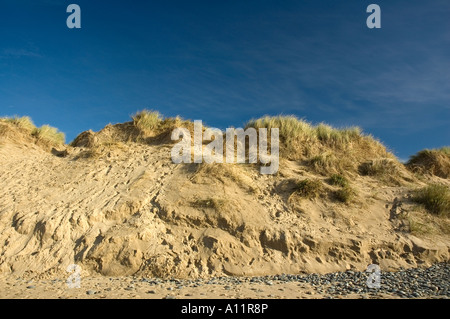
point(131, 211)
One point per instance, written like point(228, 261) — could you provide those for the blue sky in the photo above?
point(225, 62)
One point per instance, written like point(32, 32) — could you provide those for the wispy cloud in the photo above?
point(19, 53)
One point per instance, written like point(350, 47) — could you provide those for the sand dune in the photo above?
point(125, 209)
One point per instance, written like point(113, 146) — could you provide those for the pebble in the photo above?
point(31, 287)
point(405, 283)
point(91, 292)
point(410, 283)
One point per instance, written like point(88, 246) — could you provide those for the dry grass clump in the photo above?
point(416, 227)
point(379, 167)
point(445, 150)
point(23, 122)
point(45, 135)
point(323, 163)
point(309, 189)
point(290, 127)
point(147, 121)
point(337, 137)
point(329, 162)
point(387, 170)
point(434, 162)
point(50, 135)
point(422, 223)
point(435, 198)
point(293, 130)
point(345, 194)
point(150, 122)
point(338, 180)
point(296, 136)
point(325, 149)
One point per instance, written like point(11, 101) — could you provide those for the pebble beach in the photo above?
point(432, 282)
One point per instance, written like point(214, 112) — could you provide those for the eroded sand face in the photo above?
point(133, 212)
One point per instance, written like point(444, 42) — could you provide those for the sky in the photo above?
point(226, 62)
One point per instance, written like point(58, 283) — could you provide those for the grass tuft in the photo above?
point(147, 121)
point(337, 137)
point(386, 170)
point(329, 162)
point(444, 150)
point(326, 149)
point(309, 188)
point(378, 167)
point(435, 198)
point(49, 134)
point(322, 162)
point(290, 127)
point(24, 122)
point(418, 228)
point(338, 180)
point(46, 134)
point(345, 194)
point(434, 162)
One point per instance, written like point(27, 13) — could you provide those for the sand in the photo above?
point(120, 288)
point(131, 212)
